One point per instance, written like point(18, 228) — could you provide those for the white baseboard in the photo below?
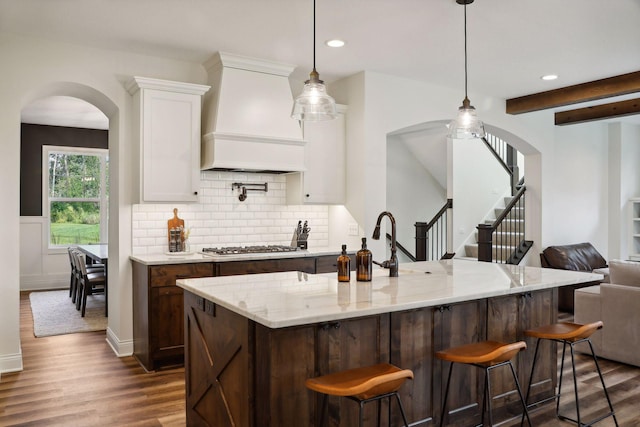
point(120, 348)
point(11, 363)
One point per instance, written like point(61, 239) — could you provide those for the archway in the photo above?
point(426, 145)
point(110, 110)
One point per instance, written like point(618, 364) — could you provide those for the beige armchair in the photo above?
point(617, 304)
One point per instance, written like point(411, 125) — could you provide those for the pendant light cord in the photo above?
point(314, 35)
point(465, 47)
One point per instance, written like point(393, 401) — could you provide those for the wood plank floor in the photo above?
point(75, 380)
point(623, 385)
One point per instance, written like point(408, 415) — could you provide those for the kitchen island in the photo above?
point(158, 331)
point(251, 341)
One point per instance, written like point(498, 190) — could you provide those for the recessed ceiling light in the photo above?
point(549, 77)
point(335, 43)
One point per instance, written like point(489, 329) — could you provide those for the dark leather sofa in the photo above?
point(575, 257)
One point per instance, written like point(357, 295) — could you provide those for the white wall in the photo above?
point(478, 183)
point(413, 194)
point(624, 183)
point(35, 68)
point(381, 104)
point(567, 172)
point(580, 174)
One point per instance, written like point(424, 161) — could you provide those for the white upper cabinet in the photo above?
point(323, 181)
point(166, 123)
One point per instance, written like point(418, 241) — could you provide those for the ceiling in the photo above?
point(511, 44)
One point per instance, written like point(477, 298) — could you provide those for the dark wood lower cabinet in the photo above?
point(168, 341)
point(525, 311)
point(158, 320)
point(348, 344)
point(284, 359)
point(219, 351)
point(158, 305)
point(538, 309)
point(412, 348)
point(454, 325)
point(240, 373)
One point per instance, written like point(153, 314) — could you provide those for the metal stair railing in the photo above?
point(402, 249)
point(507, 156)
point(432, 238)
point(512, 229)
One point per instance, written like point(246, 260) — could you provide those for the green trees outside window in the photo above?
point(78, 195)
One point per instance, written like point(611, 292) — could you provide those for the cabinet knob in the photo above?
point(195, 193)
point(307, 195)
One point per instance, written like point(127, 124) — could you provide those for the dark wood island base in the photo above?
point(241, 373)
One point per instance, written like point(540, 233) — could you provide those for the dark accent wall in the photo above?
point(32, 138)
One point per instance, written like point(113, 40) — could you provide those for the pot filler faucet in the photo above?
point(391, 264)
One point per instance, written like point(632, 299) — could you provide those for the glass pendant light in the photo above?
point(466, 125)
point(314, 103)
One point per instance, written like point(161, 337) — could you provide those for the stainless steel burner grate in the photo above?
point(258, 249)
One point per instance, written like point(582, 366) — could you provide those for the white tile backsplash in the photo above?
point(220, 219)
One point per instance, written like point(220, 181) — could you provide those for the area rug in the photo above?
point(55, 314)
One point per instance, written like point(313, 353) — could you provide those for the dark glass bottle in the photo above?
point(344, 266)
point(172, 240)
point(364, 263)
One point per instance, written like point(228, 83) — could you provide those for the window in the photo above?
point(76, 196)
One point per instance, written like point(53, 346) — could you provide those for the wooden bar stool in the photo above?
point(569, 334)
point(487, 355)
point(363, 385)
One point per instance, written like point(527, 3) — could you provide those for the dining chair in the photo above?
point(73, 280)
point(89, 283)
point(76, 273)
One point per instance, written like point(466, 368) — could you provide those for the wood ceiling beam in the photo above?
point(598, 112)
point(590, 91)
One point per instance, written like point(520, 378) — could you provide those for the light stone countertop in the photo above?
point(187, 258)
point(278, 300)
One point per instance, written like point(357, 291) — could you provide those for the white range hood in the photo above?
point(246, 117)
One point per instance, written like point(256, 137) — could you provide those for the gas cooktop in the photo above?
point(259, 249)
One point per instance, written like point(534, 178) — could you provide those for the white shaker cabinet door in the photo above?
point(323, 181)
point(168, 122)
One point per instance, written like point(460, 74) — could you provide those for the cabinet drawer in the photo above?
point(166, 275)
point(329, 263)
point(266, 266)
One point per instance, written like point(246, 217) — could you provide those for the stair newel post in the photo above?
point(421, 241)
point(449, 217)
point(485, 242)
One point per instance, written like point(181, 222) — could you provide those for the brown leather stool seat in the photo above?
point(487, 355)
point(569, 334)
point(363, 385)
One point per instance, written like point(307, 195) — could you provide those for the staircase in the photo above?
point(500, 239)
point(510, 231)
